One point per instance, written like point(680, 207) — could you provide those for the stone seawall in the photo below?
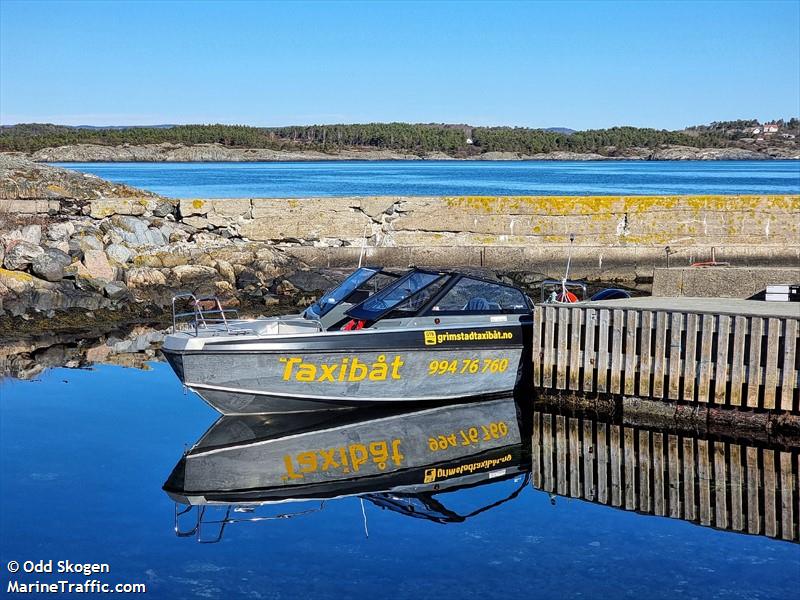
point(71, 241)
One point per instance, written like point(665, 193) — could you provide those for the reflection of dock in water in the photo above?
point(739, 486)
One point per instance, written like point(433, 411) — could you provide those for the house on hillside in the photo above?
point(770, 128)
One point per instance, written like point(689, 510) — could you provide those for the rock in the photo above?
point(75, 250)
point(60, 231)
point(51, 264)
point(62, 245)
point(194, 273)
point(139, 277)
point(90, 242)
point(119, 253)
point(286, 288)
point(270, 300)
point(162, 209)
point(135, 232)
point(19, 254)
point(116, 290)
point(96, 263)
point(225, 269)
point(31, 234)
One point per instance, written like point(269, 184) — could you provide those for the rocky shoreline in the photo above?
point(219, 153)
point(75, 249)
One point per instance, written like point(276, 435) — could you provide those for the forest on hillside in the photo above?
point(455, 140)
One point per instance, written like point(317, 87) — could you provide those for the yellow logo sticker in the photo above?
point(432, 338)
point(430, 476)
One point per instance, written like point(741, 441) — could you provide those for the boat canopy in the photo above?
point(433, 293)
point(347, 291)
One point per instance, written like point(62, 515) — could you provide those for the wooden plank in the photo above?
point(549, 346)
point(737, 487)
point(631, 319)
point(589, 456)
point(704, 481)
point(547, 452)
point(770, 488)
point(753, 483)
point(660, 355)
point(536, 451)
point(629, 477)
point(616, 467)
point(787, 496)
point(659, 498)
point(536, 341)
point(676, 326)
point(754, 364)
point(561, 455)
point(562, 358)
point(737, 363)
point(645, 465)
point(674, 464)
point(689, 496)
point(771, 368)
point(706, 338)
point(603, 324)
point(690, 357)
point(616, 352)
point(576, 318)
point(602, 463)
point(645, 360)
point(574, 458)
point(589, 354)
point(789, 379)
point(721, 371)
point(720, 487)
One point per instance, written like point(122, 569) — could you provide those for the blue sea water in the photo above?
point(84, 454)
point(421, 178)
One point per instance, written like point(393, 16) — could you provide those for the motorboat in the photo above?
point(397, 458)
point(425, 336)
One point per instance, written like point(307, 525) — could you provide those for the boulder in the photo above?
point(186, 273)
point(89, 242)
point(116, 290)
point(60, 231)
point(162, 209)
point(119, 253)
point(19, 254)
point(134, 231)
point(225, 269)
point(50, 265)
point(30, 233)
point(96, 263)
point(139, 277)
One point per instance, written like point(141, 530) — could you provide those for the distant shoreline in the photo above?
point(200, 153)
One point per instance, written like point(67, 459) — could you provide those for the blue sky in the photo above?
point(538, 64)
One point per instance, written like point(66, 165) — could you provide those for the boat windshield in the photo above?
point(330, 299)
point(388, 298)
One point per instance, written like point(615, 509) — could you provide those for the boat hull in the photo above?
point(341, 371)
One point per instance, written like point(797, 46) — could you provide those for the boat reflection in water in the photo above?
point(409, 461)
point(401, 460)
point(716, 480)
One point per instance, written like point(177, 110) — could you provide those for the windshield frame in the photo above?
point(332, 298)
point(360, 312)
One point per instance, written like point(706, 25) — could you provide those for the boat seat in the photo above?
point(481, 304)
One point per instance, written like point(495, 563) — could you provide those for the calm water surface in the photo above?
point(85, 453)
point(420, 178)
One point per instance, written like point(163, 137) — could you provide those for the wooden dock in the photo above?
point(717, 482)
point(721, 352)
